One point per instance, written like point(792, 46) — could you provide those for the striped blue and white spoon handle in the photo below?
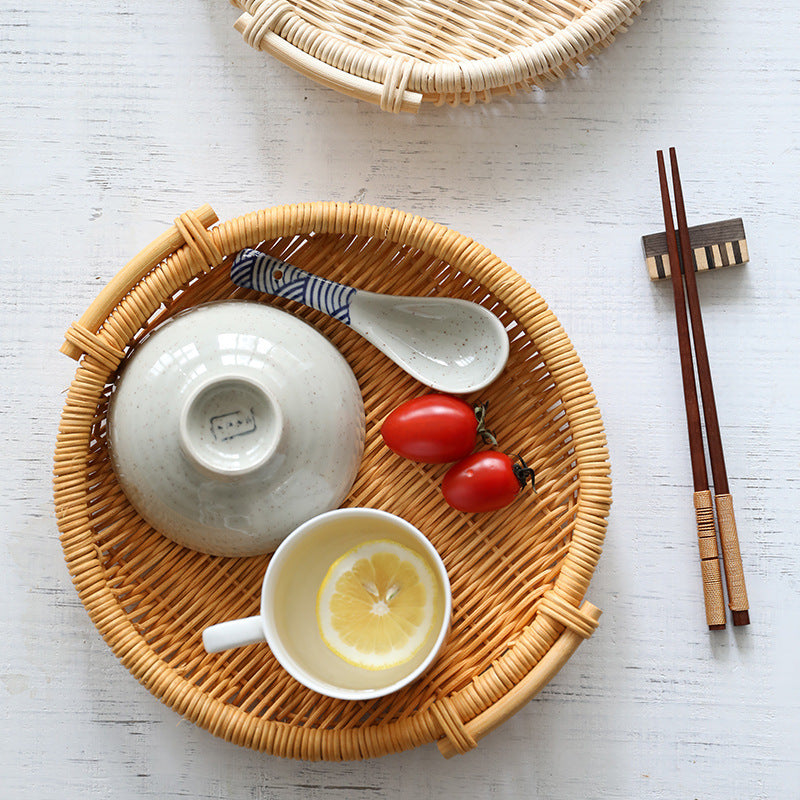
point(253, 269)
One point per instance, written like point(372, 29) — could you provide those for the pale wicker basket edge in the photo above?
point(402, 83)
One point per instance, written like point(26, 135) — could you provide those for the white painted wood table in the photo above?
point(115, 118)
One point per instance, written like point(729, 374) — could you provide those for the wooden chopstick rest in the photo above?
point(714, 245)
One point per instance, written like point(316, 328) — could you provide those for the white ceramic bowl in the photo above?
point(233, 423)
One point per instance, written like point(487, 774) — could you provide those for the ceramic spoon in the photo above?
point(448, 344)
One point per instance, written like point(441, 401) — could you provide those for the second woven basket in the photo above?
point(399, 53)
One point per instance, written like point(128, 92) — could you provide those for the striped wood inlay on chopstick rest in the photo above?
point(714, 245)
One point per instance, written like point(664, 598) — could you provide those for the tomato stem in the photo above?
point(523, 472)
point(480, 414)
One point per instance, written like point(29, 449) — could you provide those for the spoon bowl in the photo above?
point(450, 345)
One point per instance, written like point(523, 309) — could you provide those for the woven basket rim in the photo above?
point(440, 77)
point(104, 349)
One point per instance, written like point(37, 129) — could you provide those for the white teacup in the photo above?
point(288, 621)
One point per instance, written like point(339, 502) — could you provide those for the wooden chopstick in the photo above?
point(704, 514)
point(729, 539)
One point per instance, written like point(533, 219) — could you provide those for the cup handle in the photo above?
point(235, 633)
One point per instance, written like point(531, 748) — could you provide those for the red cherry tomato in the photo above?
point(434, 429)
point(484, 481)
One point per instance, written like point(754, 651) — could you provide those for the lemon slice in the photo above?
point(377, 604)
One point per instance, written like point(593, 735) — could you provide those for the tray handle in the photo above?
point(391, 95)
point(521, 694)
point(188, 229)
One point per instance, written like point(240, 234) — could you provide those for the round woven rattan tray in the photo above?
point(399, 53)
point(518, 575)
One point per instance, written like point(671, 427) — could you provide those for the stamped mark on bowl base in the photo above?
point(233, 424)
point(230, 426)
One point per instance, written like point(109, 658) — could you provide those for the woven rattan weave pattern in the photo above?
point(398, 53)
point(518, 575)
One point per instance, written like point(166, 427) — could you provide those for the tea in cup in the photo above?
point(355, 604)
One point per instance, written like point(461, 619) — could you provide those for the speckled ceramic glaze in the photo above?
point(232, 424)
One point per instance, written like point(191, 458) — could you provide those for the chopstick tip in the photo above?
point(740, 617)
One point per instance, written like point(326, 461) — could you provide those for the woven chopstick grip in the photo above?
point(732, 558)
point(709, 560)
